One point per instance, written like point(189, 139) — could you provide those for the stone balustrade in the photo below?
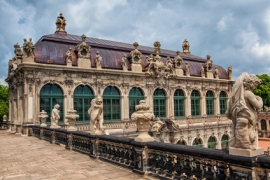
point(161, 160)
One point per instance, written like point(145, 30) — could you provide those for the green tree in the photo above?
point(3, 101)
point(263, 89)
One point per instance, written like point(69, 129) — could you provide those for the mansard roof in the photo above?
point(52, 48)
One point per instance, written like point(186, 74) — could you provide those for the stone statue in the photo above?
point(98, 59)
point(68, 55)
point(208, 64)
point(149, 59)
point(28, 48)
point(230, 72)
point(187, 69)
point(60, 23)
point(136, 55)
point(242, 107)
point(84, 50)
point(169, 68)
point(96, 116)
point(123, 62)
point(157, 124)
point(55, 116)
point(202, 71)
point(216, 73)
point(178, 60)
point(4, 118)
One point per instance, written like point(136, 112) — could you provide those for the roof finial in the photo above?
point(185, 46)
point(60, 24)
point(157, 47)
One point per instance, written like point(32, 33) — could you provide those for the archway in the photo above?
point(111, 104)
point(159, 103)
point(212, 144)
point(135, 95)
point(179, 103)
point(197, 142)
point(195, 103)
point(225, 142)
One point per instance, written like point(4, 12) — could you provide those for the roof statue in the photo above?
point(60, 24)
point(178, 60)
point(185, 46)
point(135, 54)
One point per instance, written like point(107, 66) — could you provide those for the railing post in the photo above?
point(53, 137)
point(69, 141)
point(41, 137)
point(30, 131)
point(140, 159)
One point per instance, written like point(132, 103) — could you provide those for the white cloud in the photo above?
point(222, 24)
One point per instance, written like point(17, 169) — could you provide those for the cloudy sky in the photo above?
point(233, 32)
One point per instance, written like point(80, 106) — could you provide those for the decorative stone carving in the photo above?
point(178, 60)
point(55, 116)
point(123, 63)
point(71, 119)
point(96, 116)
point(157, 125)
point(136, 57)
point(208, 67)
point(230, 73)
point(202, 71)
point(185, 46)
point(186, 69)
point(43, 116)
point(142, 118)
point(84, 52)
point(4, 118)
point(242, 107)
point(169, 69)
point(28, 48)
point(216, 73)
point(60, 24)
point(68, 57)
point(98, 60)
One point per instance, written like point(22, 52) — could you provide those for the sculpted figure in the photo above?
point(169, 67)
point(123, 62)
point(28, 48)
point(55, 116)
point(68, 55)
point(216, 73)
point(202, 71)
point(242, 110)
point(187, 69)
point(178, 60)
point(98, 59)
point(96, 116)
point(157, 124)
point(230, 72)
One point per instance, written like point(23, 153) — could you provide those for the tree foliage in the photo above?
point(263, 89)
point(3, 101)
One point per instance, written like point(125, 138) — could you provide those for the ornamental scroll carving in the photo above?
point(84, 50)
point(136, 55)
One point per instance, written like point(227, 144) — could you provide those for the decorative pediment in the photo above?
point(83, 49)
point(208, 65)
point(136, 55)
point(178, 61)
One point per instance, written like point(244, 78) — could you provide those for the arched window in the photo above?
point(111, 104)
point(179, 103)
point(159, 103)
point(222, 102)
point(225, 142)
point(50, 95)
point(182, 142)
point(82, 101)
point(197, 142)
point(195, 103)
point(210, 103)
point(135, 95)
point(263, 125)
point(212, 142)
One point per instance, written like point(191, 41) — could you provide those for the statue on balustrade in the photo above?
point(242, 110)
point(28, 48)
point(96, 116)
point(55, 116)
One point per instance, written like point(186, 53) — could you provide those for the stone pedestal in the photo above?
point(246, 152)
point(28, 60)
point(142, 118)
point(98, 66)
point(43, 116)
point(71, 120)
point(125, 68)
point(55, 126)
point(179, 72)
point(209, 75)
point(84, 63)
point(69, 63)
point(136, 67)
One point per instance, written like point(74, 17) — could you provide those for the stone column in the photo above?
point(217, 108)
point(168, 107)
point(188, 105)
point(203, 105)
point(125, 107)
point(150, 101)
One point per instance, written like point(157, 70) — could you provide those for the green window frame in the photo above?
point(83, 96)
point(195, 103)
point(210, 109)
point(222, 102)
point(212, 143)
point(225, 142)
point(197, 142)
point(135, 95)
point(111, 104)
point(263, 125)
point(181, 142)
point(179, 103)
point(159, 102)
point(50, 95)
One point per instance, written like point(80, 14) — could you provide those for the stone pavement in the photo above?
point(30, 158)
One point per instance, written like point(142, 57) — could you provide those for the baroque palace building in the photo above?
point(187, 94)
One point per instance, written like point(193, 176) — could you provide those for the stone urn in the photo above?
point(142, 118)
point(43, 116)
point(5, 118)
point(71, 120)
